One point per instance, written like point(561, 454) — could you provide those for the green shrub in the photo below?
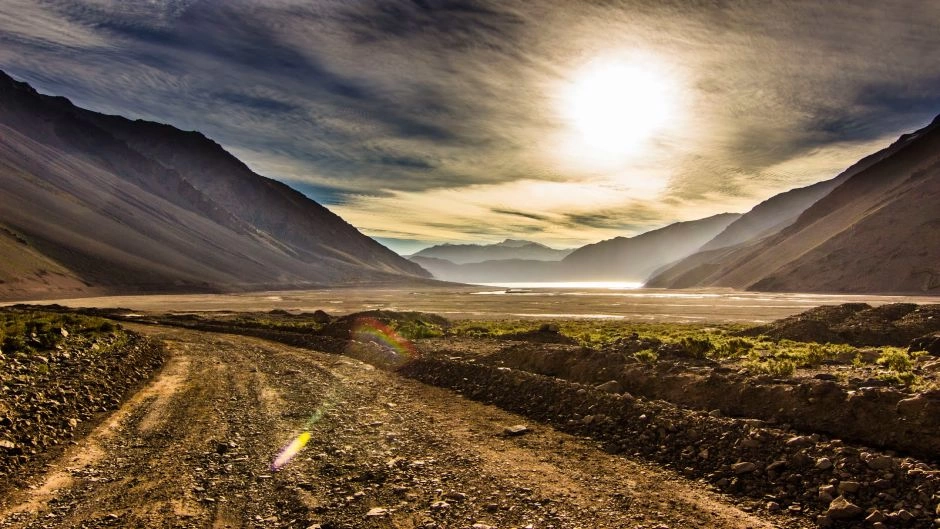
point(647, 356)
point(697, 347)
point(896, 359)
point(416, 329)
point(734, 348)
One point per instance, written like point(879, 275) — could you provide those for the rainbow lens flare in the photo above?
point(393, 348)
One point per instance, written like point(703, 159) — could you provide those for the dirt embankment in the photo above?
point(776, 467)
point(877, 416)
point(857, 324)
point(52, 394)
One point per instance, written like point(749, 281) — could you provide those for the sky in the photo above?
point(468, 121)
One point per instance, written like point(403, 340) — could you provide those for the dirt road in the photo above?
point(195, 447)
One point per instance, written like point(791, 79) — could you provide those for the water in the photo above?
point(570, 285)
point(611, 301)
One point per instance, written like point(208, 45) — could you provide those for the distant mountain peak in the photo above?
point(519, 243)
point(507, 249)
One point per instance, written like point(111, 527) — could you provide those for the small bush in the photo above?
point(896, 359)
point(697, 347)
point(415, 329)
point(647, 356)
point(734, 348)
point(775, 367)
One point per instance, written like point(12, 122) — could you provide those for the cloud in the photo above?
point(434, 120)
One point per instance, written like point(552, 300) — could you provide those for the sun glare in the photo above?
point(614, 107)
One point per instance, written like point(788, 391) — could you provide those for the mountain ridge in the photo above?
point(874, 232)
point(159, 226)
point(478, 253)
point(629, 259)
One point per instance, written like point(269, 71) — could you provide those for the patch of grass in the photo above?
point(30, 331)
point(896, 359)
point(773, 366)
point(415, 329)
point(647, 356)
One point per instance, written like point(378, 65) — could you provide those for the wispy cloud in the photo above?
point(441, 119)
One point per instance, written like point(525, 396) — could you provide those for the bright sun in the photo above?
point(614, 107)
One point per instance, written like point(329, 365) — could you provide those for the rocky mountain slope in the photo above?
point(618, 259)
point(477, 253)
point(101, 204)
point(875, 232)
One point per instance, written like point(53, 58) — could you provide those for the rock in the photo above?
point(377, 511)
point(823, 521)
point(905, 515)
point(823, 463)
point(878, 462)
point(929, 343)
point(440, 505)
point(611, 386)
point(456, 496)
point(843, 509)
point(8, 445)
point(875, 517)
point(744, 467)
point(802, 441)
point(481, 525)
point(772, 506)
point(517, 429)
point(850, 487)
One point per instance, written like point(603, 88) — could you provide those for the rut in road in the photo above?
point(194, 449)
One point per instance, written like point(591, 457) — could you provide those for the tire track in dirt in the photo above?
point(194, 449)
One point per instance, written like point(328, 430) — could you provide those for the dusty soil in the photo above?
point(194, 448)
point(484, 302)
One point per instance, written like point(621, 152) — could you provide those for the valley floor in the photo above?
point(194, 448)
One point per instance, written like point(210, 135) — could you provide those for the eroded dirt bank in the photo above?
point(194, 449)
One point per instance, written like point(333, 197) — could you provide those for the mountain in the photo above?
point(97, 204)
point(508, 249)
point(878, 231)
point(618, 259)
point(635, 258)
point(782, 210)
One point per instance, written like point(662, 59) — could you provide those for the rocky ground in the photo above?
point(58, 377)
point(195, 447)
point(579, 437)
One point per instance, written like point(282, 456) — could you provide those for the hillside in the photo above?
point(101, 204)
point(635, 258)
point(875, 232)
point(619, 259)
point(477, 253)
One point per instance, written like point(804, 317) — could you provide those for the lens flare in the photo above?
point(294, 447)
point(290, 451)
point(394, 348)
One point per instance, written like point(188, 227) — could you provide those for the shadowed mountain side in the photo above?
point(782, 210)
point(508, 249)
point(308, 228)
point(97, 215)
point(621, 259)
point(876, 232)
